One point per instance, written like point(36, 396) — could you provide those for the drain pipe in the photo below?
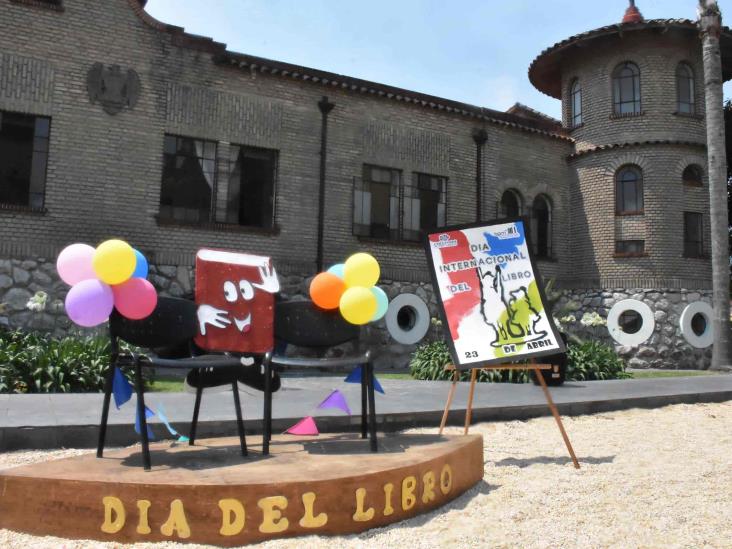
point(325, 107)
point(480, 136)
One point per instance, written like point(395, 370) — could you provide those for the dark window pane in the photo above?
point(693, 234)
point(510, 204)
point(692, 175)
point(186, 186)
point(629, 191)
point(541, 227)
point(376, 203)
point(630, 247)
point(252, 187)
point(22, 170)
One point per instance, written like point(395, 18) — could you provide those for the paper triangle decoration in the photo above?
point(121, 388)
point(305, 426)
point(148, 414)
point(355, 377)
point(336, 400)
point(164, 419)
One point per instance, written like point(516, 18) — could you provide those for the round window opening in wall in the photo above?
point(630, 322)
point(696, 324)
point(407, 319)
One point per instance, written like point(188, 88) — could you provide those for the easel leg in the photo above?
point(455, 377)
point(469, 409)
point(558, 419)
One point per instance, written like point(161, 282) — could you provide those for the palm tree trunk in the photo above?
point(710, 23)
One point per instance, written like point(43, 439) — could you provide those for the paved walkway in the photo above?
point(71, 421)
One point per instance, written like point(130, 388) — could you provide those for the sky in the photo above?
point(474, 51)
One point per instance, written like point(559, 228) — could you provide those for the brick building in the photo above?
point(115, 124)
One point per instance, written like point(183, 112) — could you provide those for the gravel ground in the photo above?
point(649, 478)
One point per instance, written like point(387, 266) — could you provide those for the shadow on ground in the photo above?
point(546, 460)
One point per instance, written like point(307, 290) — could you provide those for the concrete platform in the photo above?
point(210, 493)
point(71, 421)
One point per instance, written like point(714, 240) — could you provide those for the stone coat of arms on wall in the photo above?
point(112, 87)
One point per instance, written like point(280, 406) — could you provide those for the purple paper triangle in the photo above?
point(335, 400)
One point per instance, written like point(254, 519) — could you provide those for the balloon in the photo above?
point(358, 305)
point(74, 263)
point(337, 270)
point(382, 303)
point(361, 269)
point(326, 290)
point(141, 267)
point(89, 302)
point(114, 261)
point(135, 299)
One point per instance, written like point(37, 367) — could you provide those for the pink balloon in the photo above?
point(135, 299)
point(89, 303)
point(74, 263)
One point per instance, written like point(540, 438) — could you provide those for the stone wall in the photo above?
point(666, 348)
point(21, 279)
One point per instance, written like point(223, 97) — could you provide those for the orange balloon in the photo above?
point(326, 290)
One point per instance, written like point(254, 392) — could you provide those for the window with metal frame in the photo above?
point(189, 179)
point(684, 89)
point(23, 159)
point(629, 191)
point(386, 206)
point(423, 205)
point(626, 89)
point(693, 234)
point(575, 104)
point(251, 192)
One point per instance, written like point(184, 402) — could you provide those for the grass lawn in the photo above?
point(166, 384)
point(640, 374)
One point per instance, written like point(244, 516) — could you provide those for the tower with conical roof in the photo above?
point(632, 100)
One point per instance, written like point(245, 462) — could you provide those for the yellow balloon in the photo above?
point(114, 261)
point(361, 269)
point(358, 305)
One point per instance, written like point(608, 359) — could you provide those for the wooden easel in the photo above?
point(474, 377)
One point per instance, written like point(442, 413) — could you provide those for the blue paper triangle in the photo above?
point(148, 414)
point(355, 377)
point(164, 419)
point(121, 388)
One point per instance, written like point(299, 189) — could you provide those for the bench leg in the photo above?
point(239, 420)
point(105, 409)
point(196, 408)
point(142, 416)
point(267, 426)
point(364, 407)
point(372, 408)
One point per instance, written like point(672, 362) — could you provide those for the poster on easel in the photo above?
point(490, 294)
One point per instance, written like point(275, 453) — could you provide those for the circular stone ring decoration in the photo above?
point(647, 322)
point(692, 311)
point(407, 319)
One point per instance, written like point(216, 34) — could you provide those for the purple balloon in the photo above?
point(89, 303)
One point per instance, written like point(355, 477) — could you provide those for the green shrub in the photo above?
point(592, 360)
point(38, 363)
point(429, 360)
point(585, 361)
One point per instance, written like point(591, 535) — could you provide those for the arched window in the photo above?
point(541, 226)
point(575, 104)
point(629, 190)
point(626, 89)
point(684, 89)
point(510, 204)
point(692, 175)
